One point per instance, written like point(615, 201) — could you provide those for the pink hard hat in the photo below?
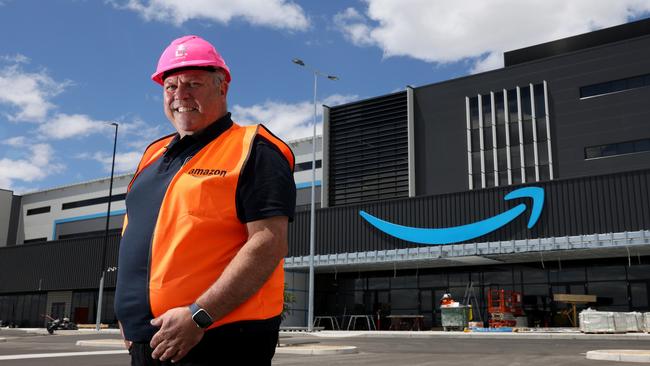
point(188, 52)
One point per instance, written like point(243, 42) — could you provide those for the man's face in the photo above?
point(193, 100)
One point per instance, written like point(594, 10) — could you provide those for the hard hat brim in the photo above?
point(158, 76)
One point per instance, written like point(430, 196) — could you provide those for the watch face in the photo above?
point(202, 318)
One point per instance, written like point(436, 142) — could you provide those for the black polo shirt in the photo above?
point(265, 189)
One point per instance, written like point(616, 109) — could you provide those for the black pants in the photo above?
point(241, 343)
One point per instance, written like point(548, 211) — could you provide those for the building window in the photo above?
point(93, 201)
point(619, 148)
point(38, 210)
point(307, 166)
point(614, 86)
point(508, 137)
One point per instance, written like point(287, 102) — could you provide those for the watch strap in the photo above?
point(200, 316)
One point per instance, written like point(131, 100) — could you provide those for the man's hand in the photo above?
point(177, 334)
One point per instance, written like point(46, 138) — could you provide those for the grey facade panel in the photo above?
point(579, 206)
point(57, 265)
point(579, 42)
point(440, 114)
point(303, 196)
point(325, 160)
point(440, 141)
point(5, 216)
point(14, 219)
point(88, 226)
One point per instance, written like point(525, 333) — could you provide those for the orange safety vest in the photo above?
point(198, 232)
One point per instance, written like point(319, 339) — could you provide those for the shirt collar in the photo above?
point(206, 136)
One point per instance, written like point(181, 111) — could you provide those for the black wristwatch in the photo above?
point(200, 316)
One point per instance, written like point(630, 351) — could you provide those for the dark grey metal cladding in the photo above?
point(575, 43)
point(600, 204)
point(96, 225)
point(57, 265)
point(303, 196)
point(440, 114)
point(14, 220)
point(368, 151)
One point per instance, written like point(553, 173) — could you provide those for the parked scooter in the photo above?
point(60, 324)
point(7, 323)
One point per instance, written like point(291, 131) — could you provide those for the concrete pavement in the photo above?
point(621, 355)
point(302, 343)
point(565, 334)
point(314, 348)
point(285, 347)
point(43, 331)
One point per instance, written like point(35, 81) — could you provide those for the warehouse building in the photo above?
point(51, 244)
point(531, 178)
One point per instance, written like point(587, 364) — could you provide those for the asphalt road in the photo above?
point(372, 351)
point(18, 342)
point(444, 351)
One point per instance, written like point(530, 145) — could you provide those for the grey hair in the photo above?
point(219, 77)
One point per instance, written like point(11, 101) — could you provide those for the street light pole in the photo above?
point(105, 242)
point(312, 216)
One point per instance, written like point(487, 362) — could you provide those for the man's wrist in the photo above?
point(200, 316)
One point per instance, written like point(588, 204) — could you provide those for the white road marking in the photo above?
point(61, 354)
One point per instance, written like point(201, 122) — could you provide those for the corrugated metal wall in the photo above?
point(57, 265)
point(601, 204)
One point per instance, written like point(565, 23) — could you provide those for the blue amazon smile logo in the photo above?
point(461, 233)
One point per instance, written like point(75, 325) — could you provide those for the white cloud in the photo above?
point(63, 126)
point(124, 162)
point(28, 98)
point(491, 61)
point(27, 94)
point(15, 59)
point(143, 132)
point(281, 14)
point(36, 165)
point(153, 97)
point(18, 141)
point(135, 134)
point(355, 27)
point(288, 121)
point(441, 31)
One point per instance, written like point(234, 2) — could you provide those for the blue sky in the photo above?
point(68, 68)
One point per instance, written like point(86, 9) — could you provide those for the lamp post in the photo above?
point(104, 243)
point(312, 217)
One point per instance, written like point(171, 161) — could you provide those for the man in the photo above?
point(200, 278)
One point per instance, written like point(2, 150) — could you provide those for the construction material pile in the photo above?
point(593, 321)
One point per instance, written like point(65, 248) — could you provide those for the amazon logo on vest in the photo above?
point(456, 234)
point(199, 172)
